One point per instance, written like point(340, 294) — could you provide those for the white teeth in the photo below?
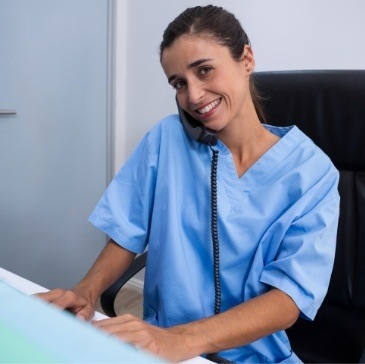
point(209, 107)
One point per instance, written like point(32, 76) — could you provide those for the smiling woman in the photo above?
point(207, 58)
point(219, 26)
point(239, 245)
point(204, 74)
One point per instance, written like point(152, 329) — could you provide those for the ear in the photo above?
point(248, 59)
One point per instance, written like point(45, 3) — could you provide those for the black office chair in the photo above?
point(329, 106)
point(108, 297)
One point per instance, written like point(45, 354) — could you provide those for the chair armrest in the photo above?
point(107, 298)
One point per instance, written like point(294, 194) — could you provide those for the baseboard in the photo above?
point(136, 284)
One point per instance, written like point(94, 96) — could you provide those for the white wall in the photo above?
point(285, 35)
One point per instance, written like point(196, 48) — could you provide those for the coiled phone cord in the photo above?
point(214, 232)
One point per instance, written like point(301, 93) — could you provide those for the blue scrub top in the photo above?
point(277, 227)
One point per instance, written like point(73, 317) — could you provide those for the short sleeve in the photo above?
point(124, 211)
point(304, 261)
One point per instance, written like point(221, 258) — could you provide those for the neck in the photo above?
point(248, 143)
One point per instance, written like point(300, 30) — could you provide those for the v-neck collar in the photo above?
point(238, 187)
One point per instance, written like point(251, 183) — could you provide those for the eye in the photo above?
point(205, 70)
point(178, 84)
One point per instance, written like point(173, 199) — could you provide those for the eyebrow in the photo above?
point(191, 65)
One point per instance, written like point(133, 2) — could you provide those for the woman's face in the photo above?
point(210, 85)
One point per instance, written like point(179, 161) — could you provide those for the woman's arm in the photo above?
point(111, 263)
point(245, 323)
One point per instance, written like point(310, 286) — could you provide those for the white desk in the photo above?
point(29, 288)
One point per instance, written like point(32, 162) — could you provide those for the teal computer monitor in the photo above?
point(33, 331)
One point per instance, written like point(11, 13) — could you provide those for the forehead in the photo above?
point(187, 49)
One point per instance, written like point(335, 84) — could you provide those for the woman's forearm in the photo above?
point(111, 263)
point(243, 324)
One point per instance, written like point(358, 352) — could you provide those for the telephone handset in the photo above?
point(195, 129)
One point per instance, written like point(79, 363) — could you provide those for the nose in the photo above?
point(195, 92)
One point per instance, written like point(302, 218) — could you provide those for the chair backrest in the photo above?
point(329, 106)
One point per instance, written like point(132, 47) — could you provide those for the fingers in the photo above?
point(66, 299)
point(130, 329)
point(125, 327)
point(51, 295)
point(84, 314)
point(156, 340)
point(120, 320)
point(59, 297)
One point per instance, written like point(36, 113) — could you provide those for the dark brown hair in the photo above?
point(219, 24)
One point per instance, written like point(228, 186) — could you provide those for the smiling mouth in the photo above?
point(209, 107)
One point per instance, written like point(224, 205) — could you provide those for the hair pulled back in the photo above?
point(216, 23)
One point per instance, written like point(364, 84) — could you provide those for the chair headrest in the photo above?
point(327, 105)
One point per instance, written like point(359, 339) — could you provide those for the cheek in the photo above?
point(236, 88)
point(240, 83)
point(235, 81)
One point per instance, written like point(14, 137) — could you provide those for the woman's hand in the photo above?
point(72, 300)
point(80, 300)
point(161, 342)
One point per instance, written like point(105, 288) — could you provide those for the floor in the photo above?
point(129, 300)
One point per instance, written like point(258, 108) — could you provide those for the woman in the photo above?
point(273, 224)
